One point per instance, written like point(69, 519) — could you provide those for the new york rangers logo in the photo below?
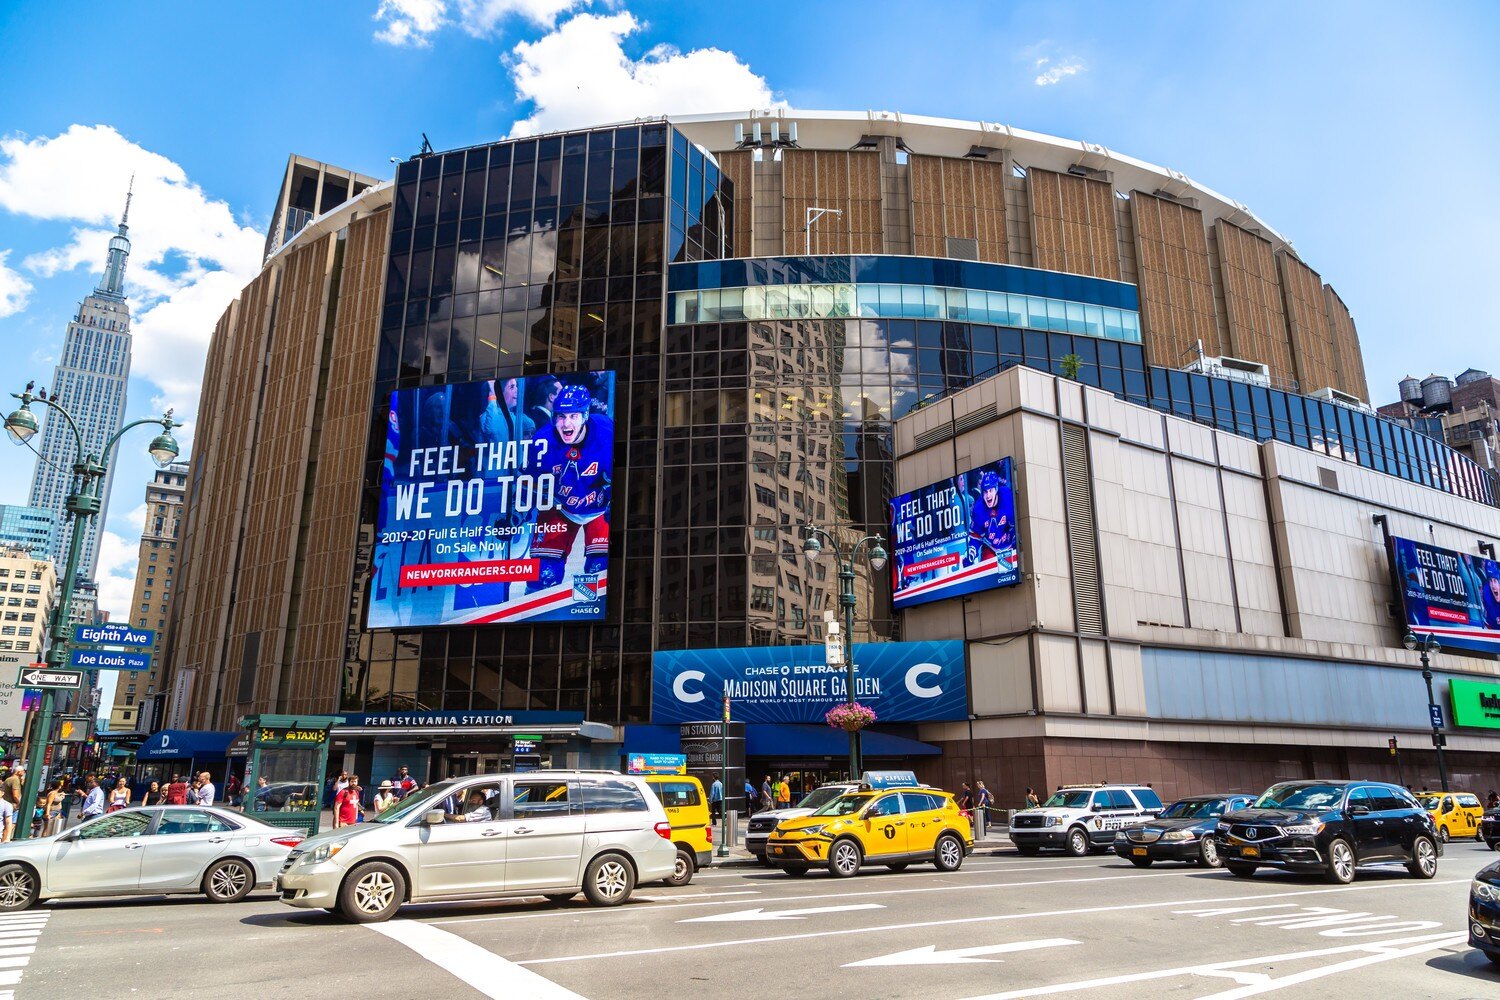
point(583, 588)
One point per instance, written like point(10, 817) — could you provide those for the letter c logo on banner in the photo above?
point(679, 686)
point(918, 689)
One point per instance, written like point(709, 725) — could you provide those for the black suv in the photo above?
point(1330, 828)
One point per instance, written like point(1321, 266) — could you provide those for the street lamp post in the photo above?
point(83, 502)
point(1428, 643)
point(812, 548)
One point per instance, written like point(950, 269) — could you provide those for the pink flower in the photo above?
point(850, 716)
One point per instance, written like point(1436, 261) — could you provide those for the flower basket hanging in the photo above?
point(851, 717)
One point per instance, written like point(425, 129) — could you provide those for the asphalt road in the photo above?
point(1001, 927)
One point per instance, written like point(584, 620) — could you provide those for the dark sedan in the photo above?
point(1489, 829)
point(1183, 832)
point(1484, 912)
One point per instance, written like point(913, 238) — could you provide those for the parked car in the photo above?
point(894, 828)
point(537, 833)
point(1457, 814)
point(1184, 831)
point(681, 795)
point(1330, 828)
point(1082, 818)
point(1484, 912)
point(151, 850)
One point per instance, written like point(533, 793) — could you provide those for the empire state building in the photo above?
point(90, 383)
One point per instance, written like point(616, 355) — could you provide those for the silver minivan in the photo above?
point(538, 833)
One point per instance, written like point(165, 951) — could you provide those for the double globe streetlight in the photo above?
point(1425, 644)
point(812, 549)
point(83, 503)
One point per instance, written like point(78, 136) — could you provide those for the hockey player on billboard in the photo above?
point(990, 527)
point(577, 448)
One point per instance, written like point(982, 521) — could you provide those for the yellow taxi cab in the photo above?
point(893, 827)
point(1455, 813)
point(692, 830)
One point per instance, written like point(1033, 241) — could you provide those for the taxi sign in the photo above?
point(890, 779)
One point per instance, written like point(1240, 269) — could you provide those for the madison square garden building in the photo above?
point(506, 461)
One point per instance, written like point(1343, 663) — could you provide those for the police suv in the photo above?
point(1081, 818)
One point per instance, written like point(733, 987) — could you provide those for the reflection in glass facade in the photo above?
point(561, 253)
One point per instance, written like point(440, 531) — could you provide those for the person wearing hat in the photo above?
point(385, 797)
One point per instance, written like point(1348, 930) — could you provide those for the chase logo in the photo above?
point(585, 588)
point(679, 686)
point(914, 680)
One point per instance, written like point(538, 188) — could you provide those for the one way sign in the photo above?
point(42, 677)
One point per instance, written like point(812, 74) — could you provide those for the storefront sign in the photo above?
point(955, 537)
point(277, 736)
point(656, 763)
point(1451, 595)
point(447, 720)
point(901, 681)
point(1475, 703)
point(495, 502)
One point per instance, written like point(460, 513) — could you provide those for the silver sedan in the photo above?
point(155, 850)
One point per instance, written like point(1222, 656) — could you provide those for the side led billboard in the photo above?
point(1451, 595)
point(955, 537)
point(494, 502)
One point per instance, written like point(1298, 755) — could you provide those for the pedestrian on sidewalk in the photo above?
point(982, 802)
point(55, 797)
point(14, 784)
point(384, 798)
point(205, 790)
point(784, 794)
point(93, 800)
point(767, 796)
point(403, 784)
point(750, 802)
point(965, 800)
point(716, 800)
point(346, 804)
point(119, 796)
point(7, 820)
point(177, 791)
point(1031, 800)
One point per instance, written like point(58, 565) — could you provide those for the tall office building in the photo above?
point(90, 383)
point(135, 689)
point(32, 528)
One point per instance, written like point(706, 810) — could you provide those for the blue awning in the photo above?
point(184, 744)
point(788, 740)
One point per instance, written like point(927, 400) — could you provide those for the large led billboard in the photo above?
point(1451, 595)
point(494, 502)
point(955, 537)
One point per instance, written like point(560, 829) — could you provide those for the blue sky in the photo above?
point(1363, 132)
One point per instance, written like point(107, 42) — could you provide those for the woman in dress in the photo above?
point(153, 795)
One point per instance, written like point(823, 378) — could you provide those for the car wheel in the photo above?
point(559, 897)
point(898, 866)
point(682, 870)
point(1029, 851)
point(948, 855)
point(372, 892)
point(1078, 842)
point(1141, 862)
point(1208, 853)
point(1493, 956)
point(1443, 834)
point(796, 871)
point(229, 881)
point(1423, 863)
point(608, 880)
point(1239, 870)
point(844, 859)
point(1340, 869)
point(19, 888)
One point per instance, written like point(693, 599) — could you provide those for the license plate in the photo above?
point(1250, 852)
point(778, 850)
point(1139, 852)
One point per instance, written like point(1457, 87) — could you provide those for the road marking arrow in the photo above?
point(959, 956)
point(761, 914)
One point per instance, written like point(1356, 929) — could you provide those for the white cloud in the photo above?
point(1055, 72)
point(189, 255)
point(414, 22)
point(14, 289)
point(579, 74)
point(118, 558)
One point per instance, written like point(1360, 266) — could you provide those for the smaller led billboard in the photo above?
point(955, 537)
point(1451, 595)
point(494, 502)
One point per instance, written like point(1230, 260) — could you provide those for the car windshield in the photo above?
point(1069, 798)
point(844, 805)
point(1300, 797)
point(417, 802)
point(1193, 809)
point(820, 797)
point(1429, 801)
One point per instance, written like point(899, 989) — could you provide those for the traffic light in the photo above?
point(1392, 743)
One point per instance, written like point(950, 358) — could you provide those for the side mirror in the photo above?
point(1359, 810)
point(433, 817)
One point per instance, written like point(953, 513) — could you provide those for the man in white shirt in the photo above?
point(7, 820)
point(93, 800)
point(205, 793)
